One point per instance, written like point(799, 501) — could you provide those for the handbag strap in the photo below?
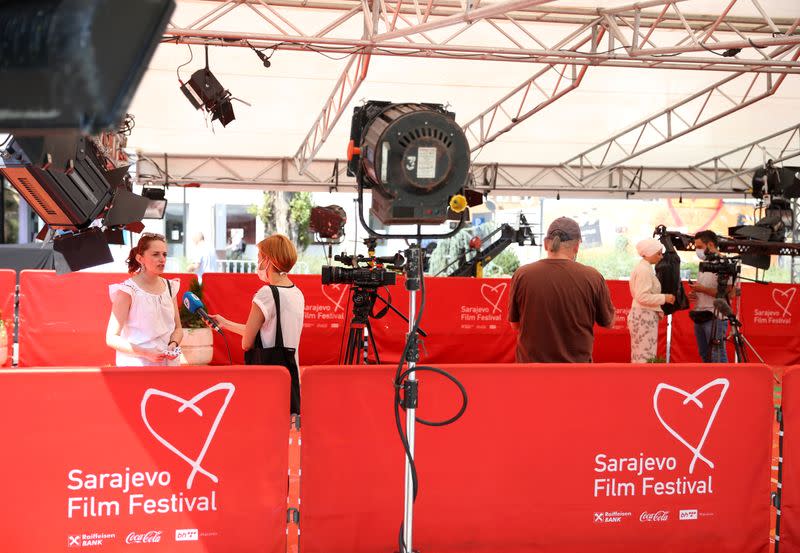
point(278, 330)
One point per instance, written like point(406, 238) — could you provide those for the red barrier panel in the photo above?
point(466, 320)
point(189, 459)
point(561, 458)
point(63, 318)
point(790, 491)
point(8, 287)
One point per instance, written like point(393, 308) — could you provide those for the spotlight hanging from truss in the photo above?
point(203, 90)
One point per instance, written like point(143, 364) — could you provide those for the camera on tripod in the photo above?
point(721, 266)
point(374, 272)
point(727, 270)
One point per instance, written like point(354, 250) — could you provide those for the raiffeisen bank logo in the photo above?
point(182, 405)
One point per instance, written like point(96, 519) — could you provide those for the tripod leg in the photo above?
point(374, 345)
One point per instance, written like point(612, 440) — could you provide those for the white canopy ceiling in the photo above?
point(287, 97)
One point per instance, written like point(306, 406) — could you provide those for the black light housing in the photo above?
point(203, 90)
point(156, 203)
point(414, 157)
point(66, 64)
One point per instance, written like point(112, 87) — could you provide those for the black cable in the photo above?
point(178, 69)
point(225, 339)
point(400, 375)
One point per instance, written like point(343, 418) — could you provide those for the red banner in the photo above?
point(790, 490)
point(571, 458)
point(8, 287)
point(190, 459)
point(465, 319)
point(63, 318)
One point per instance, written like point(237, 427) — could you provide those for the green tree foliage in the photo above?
point(266, 211)
point(299, 217)
point(504, 264)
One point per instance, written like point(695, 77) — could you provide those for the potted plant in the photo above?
point(198, 341)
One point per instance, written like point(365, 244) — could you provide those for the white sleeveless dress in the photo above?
point(151, 321)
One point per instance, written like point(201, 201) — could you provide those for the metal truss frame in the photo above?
point(728, 174)
point(736, 92)
point(637, 37)
point(511, 30)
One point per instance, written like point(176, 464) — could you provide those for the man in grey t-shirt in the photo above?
point(710, 327)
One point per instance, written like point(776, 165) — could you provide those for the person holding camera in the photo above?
point(647, 301)
point(144, 327)
point(271, 335)
point(710, 327)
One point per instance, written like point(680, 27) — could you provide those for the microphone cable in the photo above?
point(227, 346)
point(399, 402)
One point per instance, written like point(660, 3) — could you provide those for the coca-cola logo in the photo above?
point(658, 516)
point(153, 536)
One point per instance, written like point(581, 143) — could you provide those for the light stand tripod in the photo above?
point(411, 354)
point(360, 336)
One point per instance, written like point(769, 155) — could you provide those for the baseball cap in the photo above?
point(567, 227)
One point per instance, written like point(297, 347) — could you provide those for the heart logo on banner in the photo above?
point(493, 294)
point(783, 299)
point(183, 403)
point(693, 397)
point(337, 302)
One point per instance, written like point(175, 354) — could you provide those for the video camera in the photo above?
point(374, 272)
point(727, 270)
point(721, 266)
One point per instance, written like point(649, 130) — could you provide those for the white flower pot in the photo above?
point(197, 346)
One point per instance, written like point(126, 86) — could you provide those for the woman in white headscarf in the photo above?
point(647, 301)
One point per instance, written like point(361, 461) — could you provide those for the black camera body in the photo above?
point(727, 270)
point(721, 266)
point(366, 277)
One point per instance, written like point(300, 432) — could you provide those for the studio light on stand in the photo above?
point(415, 159)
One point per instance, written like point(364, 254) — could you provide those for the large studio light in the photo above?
point(85, 199)
point(74, 64)
point(414, 157)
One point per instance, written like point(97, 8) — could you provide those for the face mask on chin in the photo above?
point(700, 253)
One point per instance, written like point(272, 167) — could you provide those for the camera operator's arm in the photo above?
point(707, 290)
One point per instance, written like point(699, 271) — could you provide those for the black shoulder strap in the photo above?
point(169, 287)
point(278, 331)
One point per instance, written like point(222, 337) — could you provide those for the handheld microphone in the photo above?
point(195, 306)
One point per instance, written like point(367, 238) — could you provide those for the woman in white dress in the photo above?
point(647, 301)
point(276, 257)
point(145, 327)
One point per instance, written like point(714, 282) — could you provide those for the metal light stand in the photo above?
point(413, 276)
point(413, 269)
